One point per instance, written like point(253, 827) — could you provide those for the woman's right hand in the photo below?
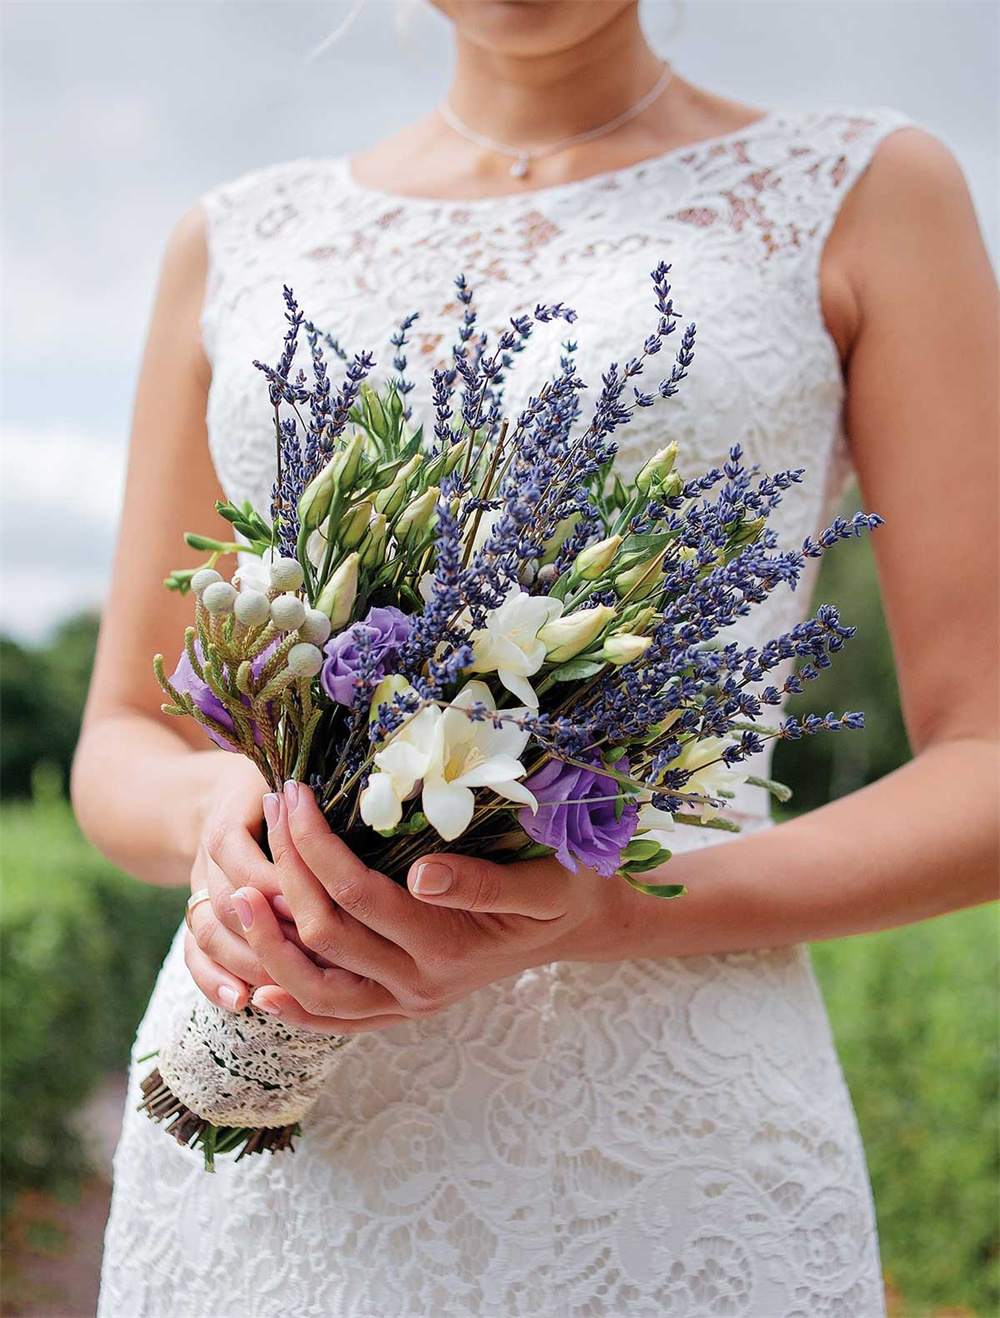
point(219, 958)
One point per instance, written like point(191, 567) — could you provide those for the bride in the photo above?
point(575, 1100)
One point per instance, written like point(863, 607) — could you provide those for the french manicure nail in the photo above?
point(272, 808)
point(432, 879)
point(244, 911)
point(265, 1004)
point(281, 907)
point(292, 793)
point(228, 997)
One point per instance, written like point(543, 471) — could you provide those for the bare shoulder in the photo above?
point(912, 194)
point(909, 213)
point(913, 171)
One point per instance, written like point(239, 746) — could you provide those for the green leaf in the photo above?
point(666, 890)
point(723, 825)
point(639, 850)
point(576, 669)
point(415, 824)
point(535, 851)
point(779, 791)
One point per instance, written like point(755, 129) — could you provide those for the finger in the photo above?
point(278, 1002)
point(318, 990)
point(235, 852)
point(350, 996)
point(229, 952)
point(370, 897)
point(539, 889)
point(333, 937)
point(218, 985)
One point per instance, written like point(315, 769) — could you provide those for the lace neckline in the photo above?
point(622, 173)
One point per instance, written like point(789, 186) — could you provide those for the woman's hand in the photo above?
point(228, 857)
point(396, 958)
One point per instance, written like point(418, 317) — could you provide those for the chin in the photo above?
point(530, 27)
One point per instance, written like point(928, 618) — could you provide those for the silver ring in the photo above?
point(202, 895)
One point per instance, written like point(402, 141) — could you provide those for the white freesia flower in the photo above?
point(707, 778)
point(466, 753)
point(451, 755)
point(509, 646)
point(255, 573)
point(655, 821)
point(401, 765)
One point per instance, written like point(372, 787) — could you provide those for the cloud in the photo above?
point(62, 493)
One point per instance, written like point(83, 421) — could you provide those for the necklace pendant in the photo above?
point(519, 169)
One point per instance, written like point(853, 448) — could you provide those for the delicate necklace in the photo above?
point(523, 157)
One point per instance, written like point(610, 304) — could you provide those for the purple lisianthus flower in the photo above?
point(576, 816)
point(185, 679)
point(381, 634)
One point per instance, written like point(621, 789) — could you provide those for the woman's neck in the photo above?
point(535, 100)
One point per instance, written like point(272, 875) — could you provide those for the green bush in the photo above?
point(42, 693)
point(915, 1016)
point(80, 944)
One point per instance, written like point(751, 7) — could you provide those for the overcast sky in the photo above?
point(118, 115)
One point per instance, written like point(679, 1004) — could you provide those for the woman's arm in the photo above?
point(142, 785)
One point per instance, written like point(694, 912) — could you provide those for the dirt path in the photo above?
point(51, 1246)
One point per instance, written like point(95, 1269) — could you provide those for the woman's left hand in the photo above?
point(393, 958)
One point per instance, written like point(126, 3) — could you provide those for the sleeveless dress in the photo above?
point(653, 1137)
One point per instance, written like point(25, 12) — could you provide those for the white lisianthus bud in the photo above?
point(595, 560)
point(568, 636)
point(203, 578)
point(305, 660)
point(286, 574)
point(416, 518)
point(218, 597)
point(390, 687)
point(642, 579)
point(288, 612)
point(560, 535)
point(658, 468)
point(373, 546)
point(624, 648)
point(340, 592)
point(316, 628)
point(338, 474)
point(636, 619)
point(354, 524)
point(252, 608)
point(391, 499)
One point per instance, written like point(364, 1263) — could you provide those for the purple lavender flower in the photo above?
point(385, 629)
point(576, 816)
point(185, 679)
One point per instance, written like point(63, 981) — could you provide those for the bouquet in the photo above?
point(468, 631)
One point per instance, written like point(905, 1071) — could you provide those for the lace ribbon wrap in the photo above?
point(246, 1068)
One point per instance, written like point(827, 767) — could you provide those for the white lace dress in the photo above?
point(655, 1137)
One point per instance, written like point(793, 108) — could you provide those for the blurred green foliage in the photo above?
point(915, 1015)
point(914, 1010)
point(80, 945)
point(42, 693)
point(824, 767)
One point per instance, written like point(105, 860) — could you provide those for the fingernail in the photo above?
point(292, 793)
point(265, 1004)
point(228, 997)
point(272, 808)
point(244, 911)
point(281, 907)
point(432, 879)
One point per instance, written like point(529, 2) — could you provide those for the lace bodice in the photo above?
point(668, 1137)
